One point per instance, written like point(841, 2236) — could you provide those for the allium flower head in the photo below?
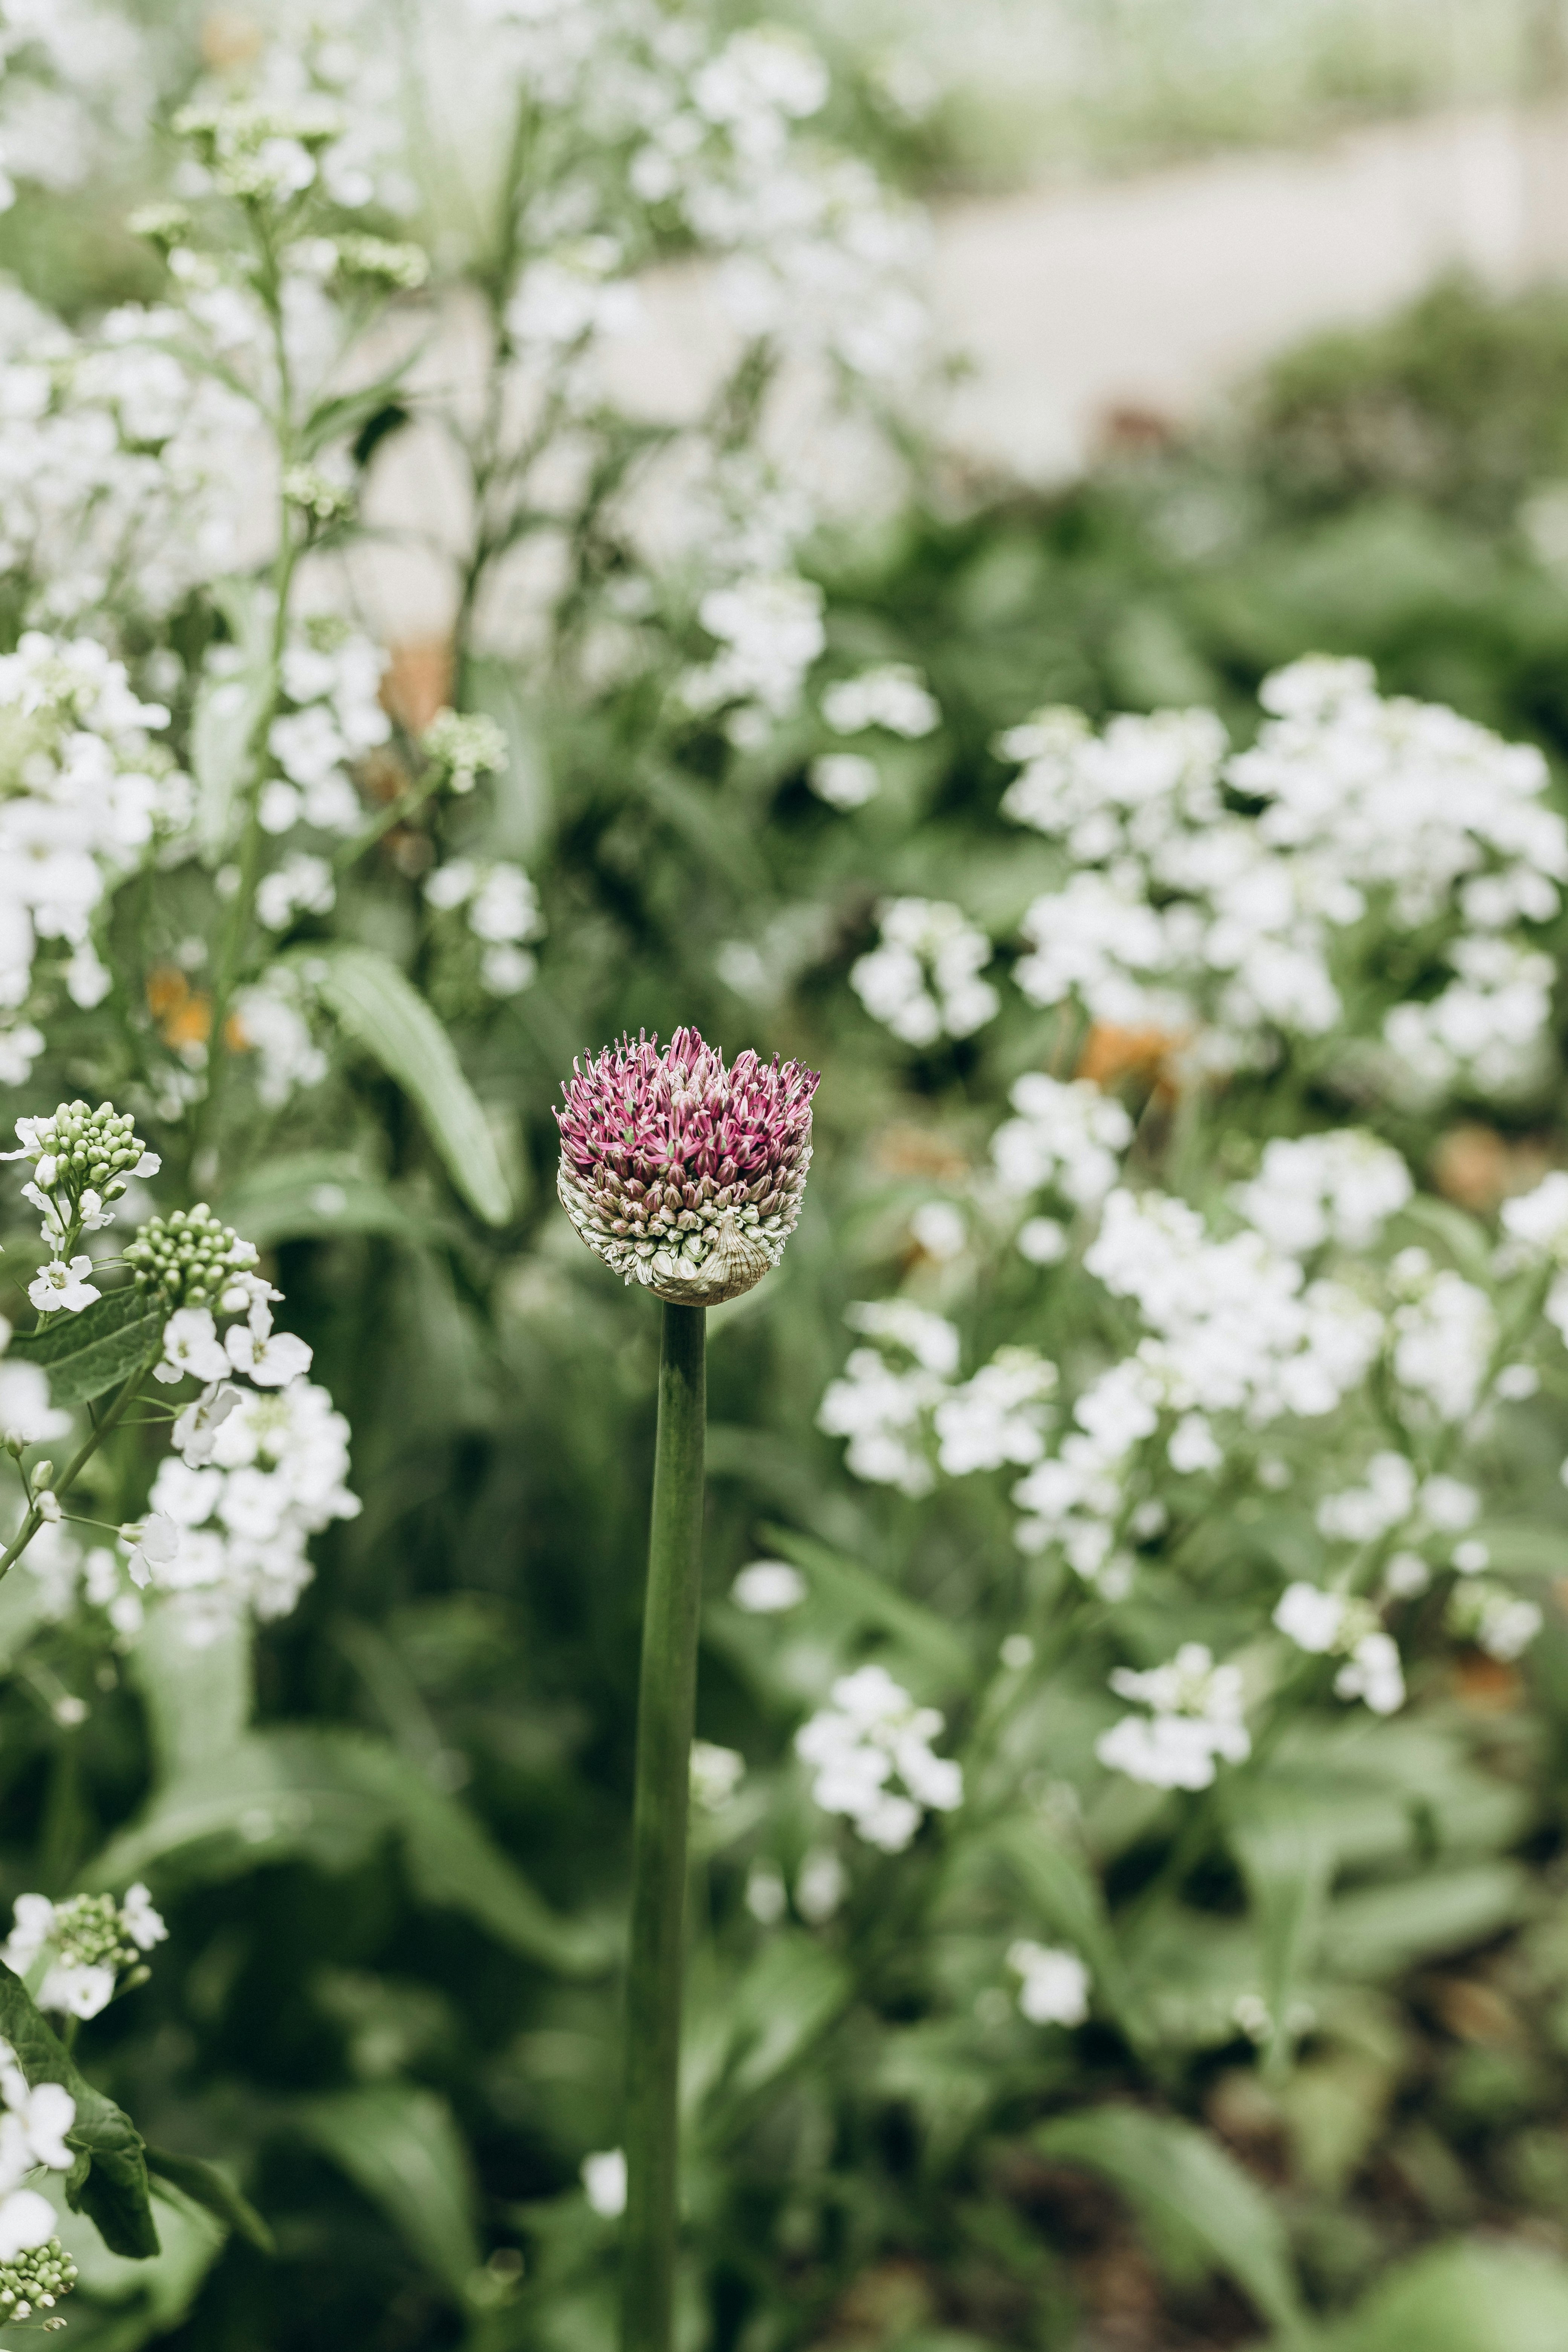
point(680, 1174)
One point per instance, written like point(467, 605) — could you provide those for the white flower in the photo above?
point(32, 1924)
point(154, 1548)
point(871, 1736)
point(77, 1987)
point(892, 697)
point(195, 1431)
point(766, 1588)
point(1312, 1617)
point(1372, 1673)
point(1055, 1988)
point(141, 1922)
point(191, 1345)
point(716, 1774)
point(58, 1284)
point(605, 2182)
point(1196, 1719)
point(924, 980)
point(27, 2219)
point(845, 780)
point(271, 1361)
point(27, 1415)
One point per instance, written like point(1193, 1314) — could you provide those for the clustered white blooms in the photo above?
point(85, 795)
point(1066, 1138)
point(33, 2128)
point(331, 715)
point(923, 979)
point(872, 1737)
point(74, 1955)
point(255, 1473)
point(1322, 1623)
point(892, 697)
point(1054, 1983)
point(716, 1774)
point(767, 1588)
point(500, 908)
point(905, 1420)
point(1221, 896)
point(1195, 1721)
point(82, 1161)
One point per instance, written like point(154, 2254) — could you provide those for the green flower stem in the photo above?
point(85, 1451)
point(665, 1708)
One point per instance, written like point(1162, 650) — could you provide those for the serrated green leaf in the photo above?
point(85, 1354)
point(1200, 2210)
point(311, 1195)
point(205, 2186)
point(109, 2180)
point(331, 1798)
point(400, 2145)
point(382, 1012)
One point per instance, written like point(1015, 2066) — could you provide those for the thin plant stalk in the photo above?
point(666, 1708)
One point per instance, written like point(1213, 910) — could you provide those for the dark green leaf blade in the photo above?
point(1192, 2197)
point(205, 2186)
point(85, 1354)
point(108, 2181)
point(381, 1010)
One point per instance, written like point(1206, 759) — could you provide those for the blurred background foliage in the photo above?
point(363, 2006)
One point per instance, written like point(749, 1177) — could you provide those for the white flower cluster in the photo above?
point(923, 979)
point(872, 1737)
point(500, 906)
point(1496, 1619)
point(905, 1422)
point(1322, 1623)
point(1066, 1136)
point(1444, 1335)
point(117, 466)
point(1054, 1984)
point(72, 1955)
point(33, 2128)
point(331, 682)
point(84, 796)
point(1536, 1225)
point(1315, 1189)
point(1229, 888)
point(769, 630)
point(269, 1021)
point(893, 697)
point(256, 1475)
point(1194, 1722)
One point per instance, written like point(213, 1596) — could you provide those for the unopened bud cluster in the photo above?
point(35, 2281)
point(88, 1932)
point(80, 1149)
point(681, 1174)
point(467, 744)
point(189, 1258)
point(404, 266)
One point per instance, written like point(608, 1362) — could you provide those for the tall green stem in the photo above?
point(665, 1709)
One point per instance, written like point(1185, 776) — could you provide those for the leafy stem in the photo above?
point(34, 1519)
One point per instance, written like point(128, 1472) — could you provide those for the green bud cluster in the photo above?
point(88, 1933)
point(317, 495)
point(188, 1257)
point(467, 744)
point(35, 2281)
point(80, 1150)
point(165, 226)
point(406, 267)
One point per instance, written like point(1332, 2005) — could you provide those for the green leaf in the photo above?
point(791, 1994)
point(199, 1702)
point(857, 1594)
point(1200, 2210)
point(1063, 1890)
point(1286, 1854)
point(1379, 1930)
point(382, 1012)
point(85, 1354)
point(109, 2179)
point(1463, 2298)
point(400, 2145)
point(331, 1798)
point(205, 2186)
point(311, 1195)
